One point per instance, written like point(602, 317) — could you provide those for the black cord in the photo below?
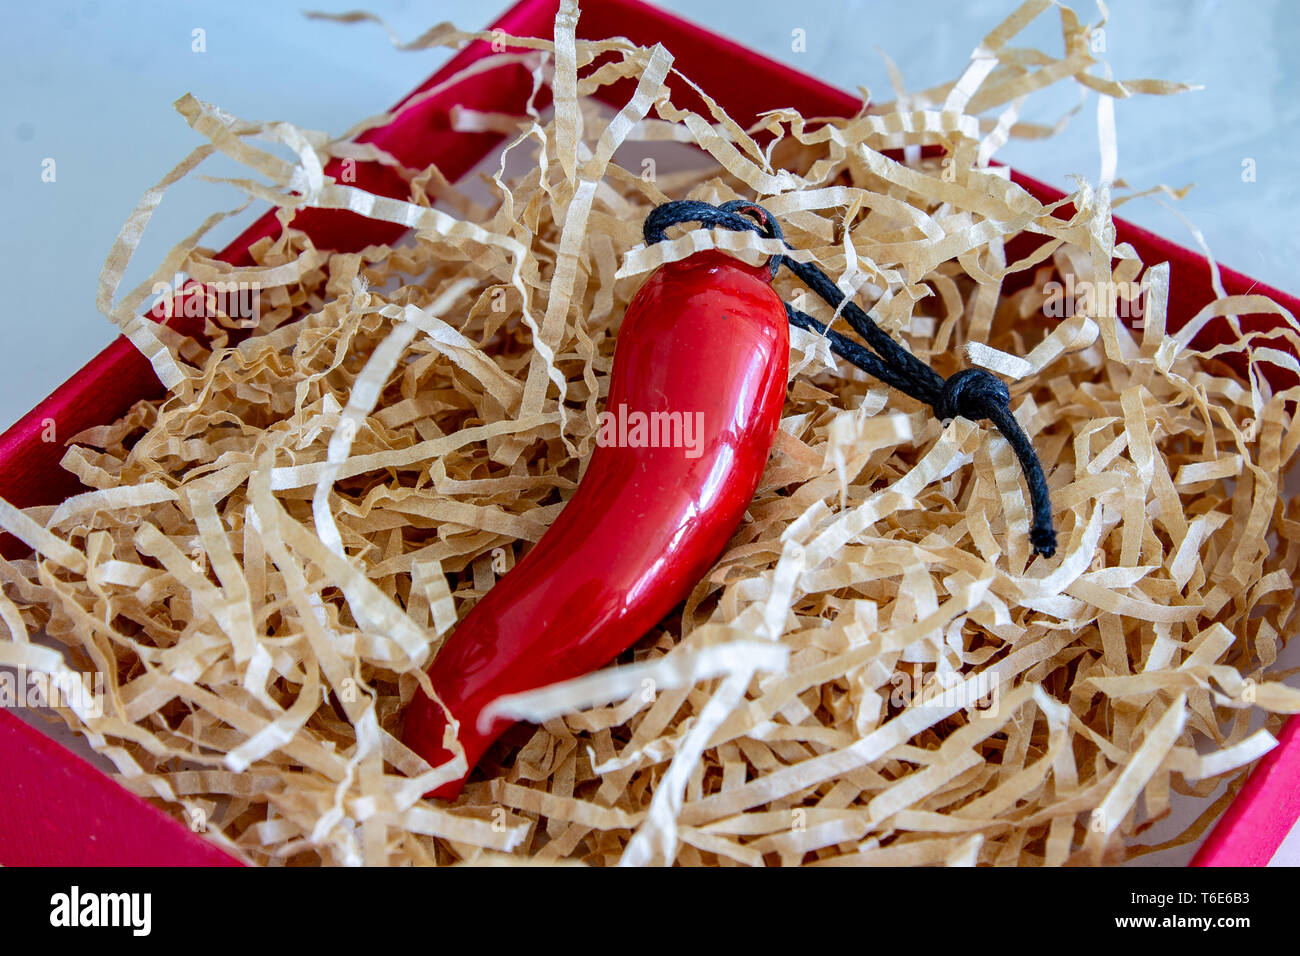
point(972, 393)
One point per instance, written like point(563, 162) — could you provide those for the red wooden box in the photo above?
point(55, 808)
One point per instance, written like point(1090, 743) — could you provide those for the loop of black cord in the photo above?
point(972, 393)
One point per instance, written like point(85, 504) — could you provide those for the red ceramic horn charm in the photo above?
point(695, 398)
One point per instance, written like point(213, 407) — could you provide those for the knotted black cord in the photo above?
point(972, 393)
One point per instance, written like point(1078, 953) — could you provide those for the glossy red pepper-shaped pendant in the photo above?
point(695, 398)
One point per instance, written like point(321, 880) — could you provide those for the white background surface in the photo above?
point(89, 84)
